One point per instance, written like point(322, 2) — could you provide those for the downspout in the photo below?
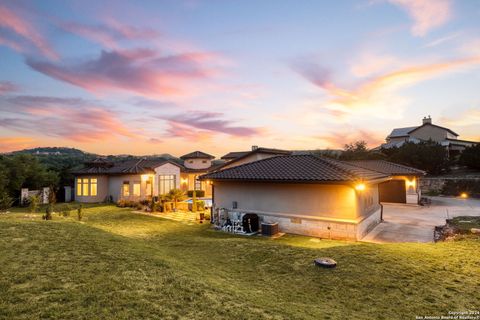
point(381, 212)
point(213, 204)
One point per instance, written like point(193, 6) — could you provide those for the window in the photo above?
point(93, 187)
point(79, 187)
point(166, 183)
point(191, 161)
point(204, 161)
point(85, 187)
point(136, 188)
point(198, 184)
point(148, 187)
point(126, 188)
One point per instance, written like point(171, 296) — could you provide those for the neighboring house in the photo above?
point(101, 180)
point(241, 157)
point(427, 131)
point(305, 194)
point(404, 186)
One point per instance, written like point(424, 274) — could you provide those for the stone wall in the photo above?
point(436, 184)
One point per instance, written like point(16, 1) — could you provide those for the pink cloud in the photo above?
point(207, 121)
point(25, 31)
point(7, 87)
point(426, 14)
point(140, 71)
point(110, 34)
point(74, 119)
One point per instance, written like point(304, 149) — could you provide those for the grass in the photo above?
point(465, 223)
point(115, 264)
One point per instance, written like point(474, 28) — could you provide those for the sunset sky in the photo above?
point(151, 77)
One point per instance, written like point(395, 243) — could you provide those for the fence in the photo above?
point(25, 194)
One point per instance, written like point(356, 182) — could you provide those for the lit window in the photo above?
point(93, 187)
point(126, 188)
point(166, 183)
point(148, 187)
point(85, 187)
point(79, 187)
point(136, 188)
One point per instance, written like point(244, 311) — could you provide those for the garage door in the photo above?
point(392, 191)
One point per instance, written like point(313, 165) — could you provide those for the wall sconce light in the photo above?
point(145, 177)
point(360, 187)
point(184, 181)
point(464, 195)
point(410, 183)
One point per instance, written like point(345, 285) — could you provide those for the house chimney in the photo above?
point(254, 148)
point(427, 120)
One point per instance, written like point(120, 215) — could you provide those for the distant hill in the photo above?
point(54, 151)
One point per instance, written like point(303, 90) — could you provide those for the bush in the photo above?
point(48, 212)
point(200, 205)
point(6, 201)
point(198, 193)
point(33, 202)
point(66, 211)
point(470, 157)
point(80, 213)
point(457, 187)
point(127, 204)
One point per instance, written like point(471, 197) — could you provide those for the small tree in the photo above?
point(470, 157)
point(80, 213)
point(358, 151)
point(33, 202)
point(52, 198)
point(6, 201)
point(176, 195)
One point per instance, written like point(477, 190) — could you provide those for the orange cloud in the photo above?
point(426, 14)
point(8, 144)
point(24, 30)
point(338, 140)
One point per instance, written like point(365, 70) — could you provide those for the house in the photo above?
point(139, 179)
point(305, 194)
point(427, 131)
point(237, 158)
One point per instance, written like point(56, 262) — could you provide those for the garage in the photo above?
point(392, 191)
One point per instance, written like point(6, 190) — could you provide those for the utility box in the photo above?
point(270, 229)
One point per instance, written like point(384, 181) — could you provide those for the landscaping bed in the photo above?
point(459, 227)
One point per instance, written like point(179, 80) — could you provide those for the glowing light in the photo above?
point(410, 183)
point(184, 180)
point(145, 177)
point(360, 187)
point(464, 195)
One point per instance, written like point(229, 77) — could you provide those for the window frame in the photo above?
point(126, 191)
point(166, 184)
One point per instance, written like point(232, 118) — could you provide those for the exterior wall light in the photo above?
point(410, 183)
point(360, 187)
point(184, 181)
point(463, 195)
point(145, 177)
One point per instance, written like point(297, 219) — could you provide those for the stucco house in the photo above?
point(427, 131)
point(135, 180)
point(305, 194)
point(237, 158)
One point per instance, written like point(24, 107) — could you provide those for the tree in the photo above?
point(470, 157)
point(358, 151)
point(176, 195)
point(429, 156)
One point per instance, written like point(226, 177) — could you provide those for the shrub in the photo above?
point(6, 201)
point(80, 213)
point(176, 195)
point(470, 157)
point(199, 193)
point(456, 187)
point(66, 211)
point(122, 203)
point(33, 202)
point(200, 205)
point(48, 212)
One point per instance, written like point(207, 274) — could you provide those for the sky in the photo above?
point(153, 77)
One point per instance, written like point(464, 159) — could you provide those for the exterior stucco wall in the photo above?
point(396, 140)
point(430, 132)
point(102, 189)
point(314, 200)
point(197, 163)
point(166, 169)
point(251, 158)
point(116, 183)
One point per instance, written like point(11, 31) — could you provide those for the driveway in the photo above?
point(408, 223)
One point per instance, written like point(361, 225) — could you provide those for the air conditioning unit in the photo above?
point(270, 229)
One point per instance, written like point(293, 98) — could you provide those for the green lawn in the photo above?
point(120, 265)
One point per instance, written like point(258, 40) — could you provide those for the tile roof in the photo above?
point(126, 167)
point(386, 167)
point(295, 168)
point(234, 155)
point(197, 154)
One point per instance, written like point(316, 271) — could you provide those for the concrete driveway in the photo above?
point(408, 223)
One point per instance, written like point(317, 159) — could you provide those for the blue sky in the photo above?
point(149, 77)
